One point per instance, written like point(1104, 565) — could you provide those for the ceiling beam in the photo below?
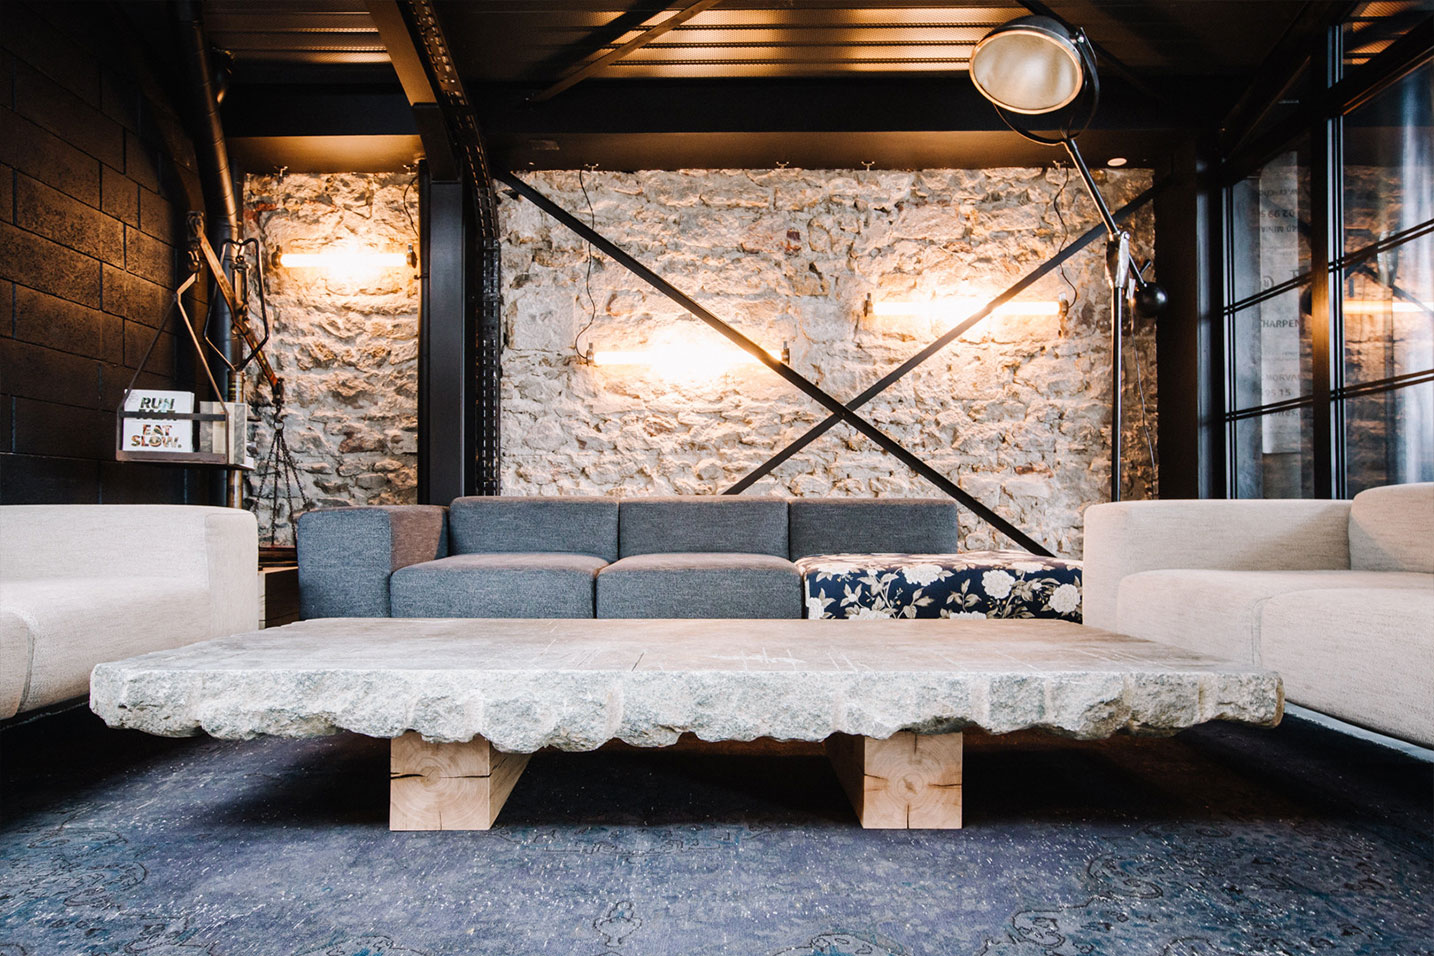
point(582, 72)
point(422, 99)
point(1278, 72)
point(406, 62)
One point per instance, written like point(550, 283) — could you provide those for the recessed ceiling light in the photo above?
point(1116, 161)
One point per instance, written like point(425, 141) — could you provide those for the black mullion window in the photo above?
point(1357, 275)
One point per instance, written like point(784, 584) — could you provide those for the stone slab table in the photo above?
point(465, 702)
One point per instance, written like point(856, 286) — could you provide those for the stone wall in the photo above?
point(1017, 412)
point(345, 341)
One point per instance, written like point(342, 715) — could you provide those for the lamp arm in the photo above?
point(1074, 152)
point(1111, 228)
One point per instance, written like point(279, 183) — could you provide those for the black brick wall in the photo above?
point(95, 179)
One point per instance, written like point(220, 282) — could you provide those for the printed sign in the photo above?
point(1281, 373)
point(158, 434)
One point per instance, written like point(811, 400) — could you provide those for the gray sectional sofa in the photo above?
point(679, 557)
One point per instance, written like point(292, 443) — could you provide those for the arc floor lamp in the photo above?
point(1040, 75)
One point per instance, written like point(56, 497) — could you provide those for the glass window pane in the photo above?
point(1389, 313)
point(1270, 219)
point(1273, 455)
point(1271, 350)
point(1390, 437)
point(1389, 161)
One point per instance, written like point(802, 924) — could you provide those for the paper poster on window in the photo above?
point(158, 434)
point(1280, 345)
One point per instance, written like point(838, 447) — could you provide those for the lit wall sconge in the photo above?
point(960, 308)
point(1384, 306)
point(684, 359)
point(345, 260)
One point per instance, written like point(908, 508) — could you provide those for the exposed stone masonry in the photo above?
point(346, 343)
point(1017, 412)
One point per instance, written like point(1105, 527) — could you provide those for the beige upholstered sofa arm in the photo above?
point(231, 558)
point(1127, 537)
point(81, 584)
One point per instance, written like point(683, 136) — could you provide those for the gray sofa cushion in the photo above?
point(872, 525)
point(1390, 529)
point(497, 585)
point(708, 584)
point(690, 524)
point(347, 554)
point(510, 524)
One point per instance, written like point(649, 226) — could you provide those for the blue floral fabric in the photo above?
point(969, 584)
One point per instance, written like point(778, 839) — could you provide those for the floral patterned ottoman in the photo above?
point(969, 584)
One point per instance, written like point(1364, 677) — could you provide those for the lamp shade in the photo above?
point(1030, 65)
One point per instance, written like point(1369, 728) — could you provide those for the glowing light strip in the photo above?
point(342, 261)
point(1381, 306)
point(960, 308)
point(679, 356)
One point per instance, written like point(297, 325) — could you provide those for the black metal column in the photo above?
point(445, 401)
point(478, 306)
point(1188, 340)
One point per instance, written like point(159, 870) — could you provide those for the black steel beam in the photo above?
point(585, 70)
point(445, 399)
point(783, 370)
point(887, 380)
point(1188, 220)
point(480, 354)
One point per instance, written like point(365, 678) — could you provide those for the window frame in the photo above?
point(1320, 123)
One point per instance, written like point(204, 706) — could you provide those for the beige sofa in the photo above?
point(81, 584)
point(1338, 596)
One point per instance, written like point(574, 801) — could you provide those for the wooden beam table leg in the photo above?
point(448, 786)
point(905, 782)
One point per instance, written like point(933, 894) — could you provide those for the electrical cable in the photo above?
point(404, 200)
point(1144, 412)
point(1065, 233)
point(588, 276)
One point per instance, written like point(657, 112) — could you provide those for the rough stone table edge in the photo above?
point(196, 701)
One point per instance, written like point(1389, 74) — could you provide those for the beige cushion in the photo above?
point(1218, 612)
point(1392, 528)
point(80, 584)
point(74, 623)
point(1363, 655)
point(1127, 537)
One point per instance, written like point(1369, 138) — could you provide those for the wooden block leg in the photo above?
point(448, 786)
point(906, 782)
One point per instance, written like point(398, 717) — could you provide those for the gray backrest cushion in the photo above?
point(347, 554)
point(577, 525)
point(703, 523)
point(1392, 529)
point(865, 525)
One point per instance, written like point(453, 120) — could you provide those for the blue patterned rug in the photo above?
point(1224, 841)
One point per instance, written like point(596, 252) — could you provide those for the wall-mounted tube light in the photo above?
point(959, 308)
point(346, 260)
point(1383, 306)
point(685, 359)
